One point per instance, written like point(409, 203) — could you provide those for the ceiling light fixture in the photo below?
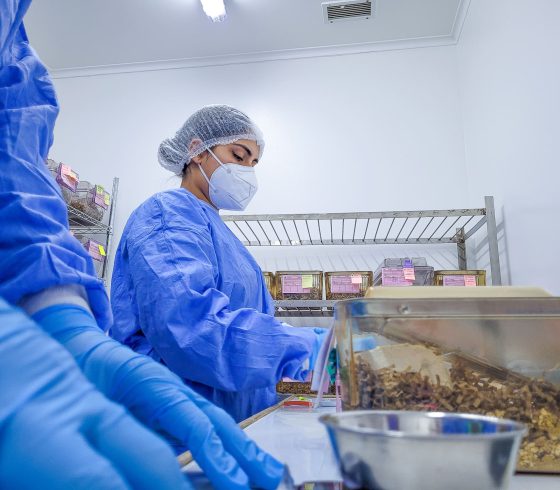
point(215, 9)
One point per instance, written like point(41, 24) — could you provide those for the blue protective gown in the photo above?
point(36, 249)
point(186, 292)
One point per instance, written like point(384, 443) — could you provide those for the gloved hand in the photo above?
point(58, 431)
point(161, 401)
point(320, 334)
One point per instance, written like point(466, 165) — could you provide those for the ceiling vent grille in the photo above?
point(340, 10)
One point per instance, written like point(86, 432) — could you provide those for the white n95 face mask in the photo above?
point(231, 186)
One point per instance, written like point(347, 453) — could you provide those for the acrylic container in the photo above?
point(96, 250)
point(347, 285)
point(460, 278)
point(92, 200)
point(66, 178)
point(299, 285)
point(489, 356)
point(404, 272)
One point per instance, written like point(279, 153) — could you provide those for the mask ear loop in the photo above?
point(203, 174)
point(228, 170)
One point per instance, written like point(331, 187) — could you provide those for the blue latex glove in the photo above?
point(58, 431)
point(161, 401)
point(320, 334)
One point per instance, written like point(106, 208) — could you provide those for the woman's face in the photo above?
point(241, 152)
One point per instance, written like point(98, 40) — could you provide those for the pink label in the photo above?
point(470, 281)
point(293, 285)
point(67, 177)
point(356, 278)
point(409, 273)
point(344, 284)
point(394, 276)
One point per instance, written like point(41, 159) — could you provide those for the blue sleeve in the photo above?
point(37, 249)
point(188, 321)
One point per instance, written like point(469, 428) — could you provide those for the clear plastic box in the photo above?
point(346, 285)
point(65, 177)
point(96, 250)
point(92, 200)
point(489, 356)
point(460, 278)
point(299, 285)
point(404, 272)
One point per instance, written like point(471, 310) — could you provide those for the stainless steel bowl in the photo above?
point(394, 450)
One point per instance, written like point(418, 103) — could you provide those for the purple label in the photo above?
point(93, 249)
point(344, 284)
point(293, 285)
point(394, 276)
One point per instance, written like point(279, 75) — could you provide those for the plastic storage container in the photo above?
point(96, 250)
point(404, 272)
point(488, 356)
point(346, 285)
point(295, 285)
point(65, 177)
point(92, 200)
point(269, 281)
point(460, 278)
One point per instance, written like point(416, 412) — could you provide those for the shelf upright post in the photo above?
point(461, 249)
point(492, 231)
point(110, 226)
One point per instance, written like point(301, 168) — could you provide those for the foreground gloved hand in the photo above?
point(160, 400)
point(58, 431)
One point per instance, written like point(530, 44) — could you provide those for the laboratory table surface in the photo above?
point(297, 438)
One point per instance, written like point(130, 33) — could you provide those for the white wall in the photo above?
point(508, 59)
point(369, 132)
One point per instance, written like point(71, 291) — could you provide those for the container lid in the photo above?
point(461, 273)
point(297, 273)
point(348, 273)
point(458, 292)
point(401, 262)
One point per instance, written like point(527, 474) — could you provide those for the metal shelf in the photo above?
point(398, 227)
point(435, 227)
point(82, 223)
point(293, 308)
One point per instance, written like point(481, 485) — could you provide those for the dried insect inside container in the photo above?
point(460, 278)
point(295, 285)
point(269, 281)
point(347, 285)
point(487, 356)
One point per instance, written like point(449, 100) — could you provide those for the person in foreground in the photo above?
point(78, 409)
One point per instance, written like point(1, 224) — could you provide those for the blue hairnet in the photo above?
point(212, 125)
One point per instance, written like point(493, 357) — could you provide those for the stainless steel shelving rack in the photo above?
point(435, 227)
point(82, 223)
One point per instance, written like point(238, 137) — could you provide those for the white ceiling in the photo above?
point(75, 34)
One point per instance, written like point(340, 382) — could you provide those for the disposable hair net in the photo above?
point(212, 125)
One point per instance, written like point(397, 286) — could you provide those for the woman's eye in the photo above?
point(237, 157)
